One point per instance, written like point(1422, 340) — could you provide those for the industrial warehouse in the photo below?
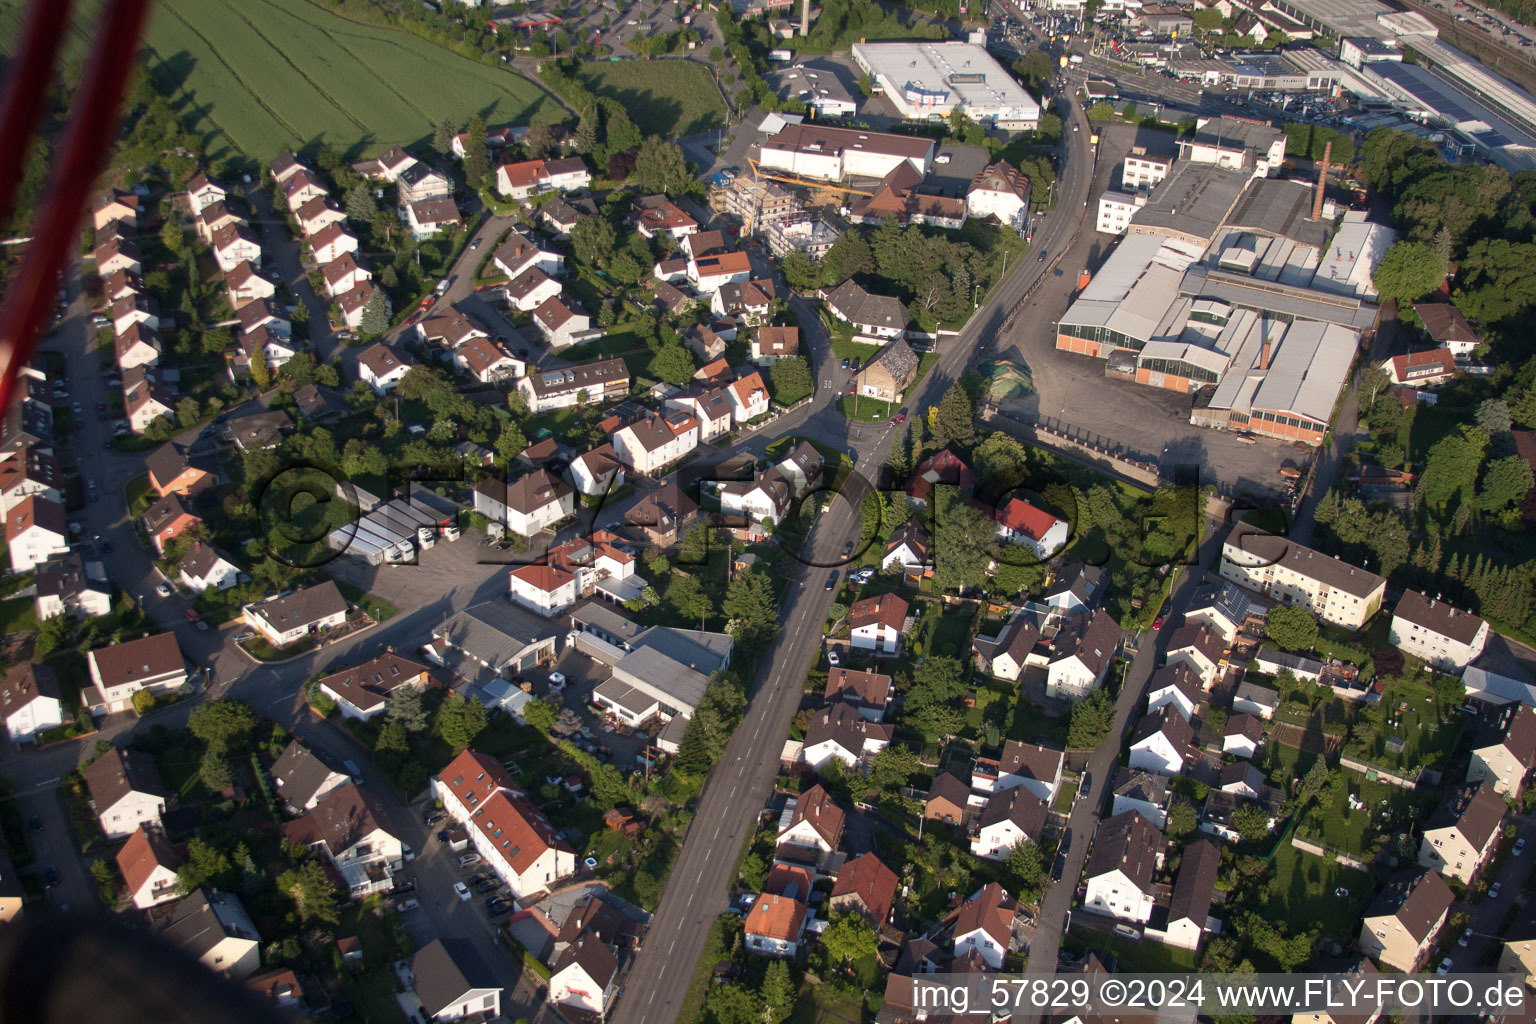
point(928, 80)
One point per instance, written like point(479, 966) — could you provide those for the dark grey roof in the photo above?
point(1260, 544)
point(206, 918)
point(1170, 723)
point(858, 306)
point(1196, 884)
point(1226, 597)
point(446, 970)
point(117, 773)
point(1438, 617)
point(303, 607)
point(1127, 843)
point(1084, 582)
point(1416, 898)
point(1193, 200)
point(495, 632)
point(1143, 786)
point(1018, 805)
point(1475, 810)
point(602, 616)
point(299, 774)
point(1270, 206)
point(199, 559)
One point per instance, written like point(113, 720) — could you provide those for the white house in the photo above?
point(349, 827)
point(984, 925)
point(1200, 649)
point(428, 217)
point(453, 982)
point(810, 828)
point(68, 585)
point(136, 345)
point(710, 273)
point(874, 316)
point(1175, 686)
point(35, 531)
point(546, 589)
point(647, 445)
point(531, 289)
point(1009, 818)
point(30, 695)
point(152, 663)
point(1162, 742)
point(331, 242)
point(202, 568)
point(749, 397)
point(907, 549)
point(1126, 853)
point(841, 732)
point(381, 367)
point(765, 498)
point(213, 928)
point(1508, 755)
point(1461, 833)
point(343, 274)
point(125, 791)
point(233, 245)
point(877, 623)
point(1189, 905)
point(775, 925)
point(1002, 191)
point(515, 840)
point(585, 976)
point(598, 471)
point(521, 180)
point(1022, 523)
point(1030, 765)
point(202, 192)
point(533, 502)
point(148, 865)
point(362, 691)
point(1433, 631)
point(520, 254)
point(1081, 655)
point(300, 613)
point(560, 321)
point(302, 778)
point(1144, 793)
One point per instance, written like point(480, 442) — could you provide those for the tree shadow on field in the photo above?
point(652, 114)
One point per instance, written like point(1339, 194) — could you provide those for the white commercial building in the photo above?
point(928, 80)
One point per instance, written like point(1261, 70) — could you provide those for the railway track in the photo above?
point(1500, 57)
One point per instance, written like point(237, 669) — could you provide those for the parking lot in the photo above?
point(582, 675)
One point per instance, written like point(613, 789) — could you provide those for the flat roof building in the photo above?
point(928, 80)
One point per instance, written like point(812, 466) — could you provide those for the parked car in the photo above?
point(1466, 938)
point(50, 878)
point(404, 887)
point(833, 658)
point(474, 245)
point(497, 908)
point(462, 891)
point(1445, 966)
point(468, 859)
point(1086, 784)
point(442, 836)
point(489, 885)
point(1494, 890)
point(35, 824)
point(1519, 847)
point(832, 581)
point(409, 904)
point(433, 817)
point(189, 615)
point(163, 590)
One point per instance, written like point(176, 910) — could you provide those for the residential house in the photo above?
point(215, 218)
point(598, 471)
point(276, 349)
point(1118, 873)
point(874, 316)
point(1081, 654)
point(750, 302)
point(117, 254)
point(1518, 955)
point(654, 215)
point(29, 697)
point(770, 344)
point(810, 829)
point(664, 515)
point(488, 361)
point(432, 216)
point(865, 887)
point(300, 187)
point(521, 180)
point(1462, 832)
point(701, 244)
point(319, 404)
point(673, 270)
point(1000, 190)
point(1448, 329)
point(245, 284)
point(284, 166)
point(533, 502)
point(802, 467)
point(1189, 905)
point(1009, 818)
point(1400, 925)
point(708, 405)
point(1162, 742)
point(68, 585)
point(776, 924)
point(302, 779)
point(1421, 369)
point(1176, 686)
point(749, 397)
point(112, 207)
point(765, 498)
point(948, 799)
point(561, 213)
point(135, 310)
point(584, 977)
point(984, 925)
point(648, 445)
point(1200, 649)
point(1005, 655)
point(453, 982)
point(1498, 690)
point(1259, 701)
point(1076, 588)
point(1506, 752)
point(419, 183)
point(530, 290)
point(1442, 636)
point(704, 343)
point(317, 215)
point(840, 731)
point(596, 382)
point(331, 242)
point(387, 166)
point(33, 471)
point(513, 837)
point(1142, 792)
point(888, 373)
point(1243, 736)
point(708, 274)
point(351, 829)
point(1029, 765)
point(214, 928)
point(152, 663)
point(877, 624)
point(908, 549)
point(670, 300)
point(1224, 608)
point(121, 284)
point(125, 791)
point(35, 531)
point(1020, 522)
point(868, 693)
point(362, 691)
point(136, 345)
point(202, 568)
point(234, 244)
point(561, 321)
point(1278, 567)
point(166, 519)
point(148, 866)
point(497, 138)
point(280, 988)
point(343, 274)
point(354, 303)
point(301, 613)
point(520, 254)
point(258, 431)
point(381, 366)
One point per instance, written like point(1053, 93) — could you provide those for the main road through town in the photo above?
point(735, 793)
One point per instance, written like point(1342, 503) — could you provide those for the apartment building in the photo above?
point(1280, 568)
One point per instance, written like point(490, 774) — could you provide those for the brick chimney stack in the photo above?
point(1322, 180)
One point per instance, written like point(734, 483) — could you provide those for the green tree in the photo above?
point(687, 597)
point(1505, 483)
point(752, 608)
point(52, 635)
point(1291, 627)
point(1001, 463)
point(1018, 571)
point(956, 420)
point(778, 993)
point(848, 937)
point(361, 209)
point(894, 765)
point(1035, 69)
point(963, 541)
point(733, 1004)
point(260, 373)
point(661, 167)
point(754, 873)
point(313, 895)
point(460, 720)
point(800, 271)
point(790, 379)
point(1250, 822)
point(1450, 471)
point(188, 411)
point(537, 141)
point(392, 739)
point(442, 138)
point(1408, 271)
point(221, 724)
point(1025, 866)
point(477, 156)
point(375, 319)
point(215, 771)
point(510, 442)
point(403, 705)
point(1091, 719)
point(105, 878)
point(593, 239)
point(672, 363)
point(1181, 820)
point(204, 864)
point(540, 715)
point(217, 340)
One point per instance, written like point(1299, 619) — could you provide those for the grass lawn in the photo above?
point(377, 608)
point(374, 996)
point(258, 648)
point(668, 98)
point(1302, 890)
point(944, 633)
point(1030, 724)
point(1065, 797)
point(1147, 957)
point(18, 615)
point(178, 770)
point(284, 73)
point(139, 495)
point(1387, 809)
point(865, 410)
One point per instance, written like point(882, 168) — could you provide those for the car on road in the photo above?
point(50, 878)
point(847, 549)
point(1445, 966)
point(899, 419)
point(832, 581)
point(1519, 847)
point(433, 817)
point(1494, 890)
point(474, 244)
point(1086, 785)
point(163, 590)
point(1466, 939)
point(403, 887)
point(202, 625)
point(462, 890)
point(1041, 258)
point(92, 496)
point(1057, 867)
point(1074, 127)
point(845, 364)
point(404, 905)
point(35, 824)
point(189, 615)
point(77, 408)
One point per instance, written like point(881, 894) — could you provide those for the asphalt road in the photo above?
point(696, 889)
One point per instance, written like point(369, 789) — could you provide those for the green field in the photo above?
point(261, 76)
point(668, 98)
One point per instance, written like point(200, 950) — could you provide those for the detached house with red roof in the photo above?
point(865, 887)
point(776, 923)
point(513, 837)
point(167, 519)
point(561, 321)
point(1023, 523)
point(362, 691)
point(152, 663)
point(1422, 369)
point(868, 693)
point(531, 177)
point(710, 273)
point(810, 829)
point(877, 623)
point(658, 215)
point(985, 925)
point(749, 397)
point(343, 274)
point(148, 866)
